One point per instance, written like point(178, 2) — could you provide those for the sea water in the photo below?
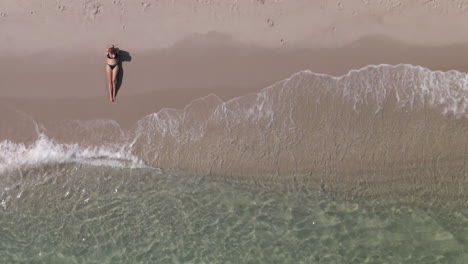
point(74, 213)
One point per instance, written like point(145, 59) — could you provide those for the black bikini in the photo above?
point(115, 57)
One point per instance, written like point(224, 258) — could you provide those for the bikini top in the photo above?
point(115, 56)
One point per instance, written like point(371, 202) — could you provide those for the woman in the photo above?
point(112, 69)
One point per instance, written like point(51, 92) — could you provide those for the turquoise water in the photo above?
point(81, 214)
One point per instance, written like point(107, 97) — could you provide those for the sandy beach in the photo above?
point(182, 50)
point(52, 60)
point(173, 52)
point(55, 49)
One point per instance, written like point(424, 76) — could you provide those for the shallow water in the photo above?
point(73, 213)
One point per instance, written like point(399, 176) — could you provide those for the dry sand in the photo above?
point(52, 61)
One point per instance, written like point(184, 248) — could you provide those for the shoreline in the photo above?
point(54, 88)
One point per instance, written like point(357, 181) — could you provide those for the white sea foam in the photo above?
point(45, 150)
point(410, 84)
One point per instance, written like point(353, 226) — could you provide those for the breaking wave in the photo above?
point(45, 151)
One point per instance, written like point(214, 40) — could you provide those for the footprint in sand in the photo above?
point(3, 14)
point(122, 8)
point(92, 9)
point(270, 22)
point(61, 7)
point(234, 8)
point(206, 2)
point(340, 5)
point(145, 6)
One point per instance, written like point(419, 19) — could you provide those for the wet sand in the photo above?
point(57, 87)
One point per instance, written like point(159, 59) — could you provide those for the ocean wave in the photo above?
point(368, 116)
point(411, 85)
point(45, 150)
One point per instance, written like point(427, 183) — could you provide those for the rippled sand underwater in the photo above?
point(74, 213)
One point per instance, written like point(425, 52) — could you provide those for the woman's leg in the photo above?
point(115, 72)
point(109, 81)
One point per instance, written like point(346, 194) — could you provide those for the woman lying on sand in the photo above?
point(112, 69)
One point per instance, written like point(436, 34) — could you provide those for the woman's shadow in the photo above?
point(123, 56)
